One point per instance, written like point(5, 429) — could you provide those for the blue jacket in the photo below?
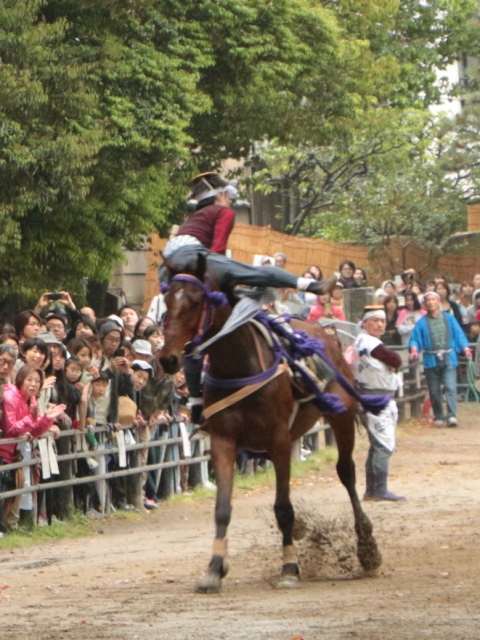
point(420, 339)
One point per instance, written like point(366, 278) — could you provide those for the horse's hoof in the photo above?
point(369, 557)
point(288, 582)
point(209, 583)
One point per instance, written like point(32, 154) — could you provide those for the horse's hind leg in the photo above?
point(285, 515)
point(367, 550)
point(223, 452)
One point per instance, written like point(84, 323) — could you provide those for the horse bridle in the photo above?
point(212, 300)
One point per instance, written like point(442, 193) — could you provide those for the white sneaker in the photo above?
point(305, 452)
point(452, 422)
point(439, 423)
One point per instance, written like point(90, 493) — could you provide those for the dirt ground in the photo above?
point(134, 580)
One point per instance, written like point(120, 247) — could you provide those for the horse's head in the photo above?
point(185, 302)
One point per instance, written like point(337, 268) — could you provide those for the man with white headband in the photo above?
point(207, 230)
point(440, 337)
point(374, 369)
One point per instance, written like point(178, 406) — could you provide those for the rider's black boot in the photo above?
point(322, 287)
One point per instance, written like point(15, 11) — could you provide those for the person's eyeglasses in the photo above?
point(113, 340)
point(6, 363)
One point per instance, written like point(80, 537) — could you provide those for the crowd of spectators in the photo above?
point(63, 368)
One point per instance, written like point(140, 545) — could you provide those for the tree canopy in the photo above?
point(108, 107)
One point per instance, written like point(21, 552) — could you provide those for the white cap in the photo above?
point(143, 347)
point(141, 364)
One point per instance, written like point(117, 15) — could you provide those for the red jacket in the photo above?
point(211, 226)
point(17, 421)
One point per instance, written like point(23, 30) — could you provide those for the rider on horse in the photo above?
point(206, 232)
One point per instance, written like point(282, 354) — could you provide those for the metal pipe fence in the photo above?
point(410, 399)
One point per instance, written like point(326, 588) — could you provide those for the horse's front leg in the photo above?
point(368, 553)
point(223, 454)
point(284, 513)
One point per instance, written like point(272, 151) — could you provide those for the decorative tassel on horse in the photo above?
point(303, 346)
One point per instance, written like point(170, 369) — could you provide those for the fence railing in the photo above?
point(174, 452)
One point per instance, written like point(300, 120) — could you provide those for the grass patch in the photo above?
point(77, 526)
point(191, 496)
point(263, 477)
point(314, 462)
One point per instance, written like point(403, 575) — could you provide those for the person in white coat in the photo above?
point(375, 371)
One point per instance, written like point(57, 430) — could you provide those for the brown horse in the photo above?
point(269, 419)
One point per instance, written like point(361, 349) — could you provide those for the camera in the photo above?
point(119, 353)
point(54, 296)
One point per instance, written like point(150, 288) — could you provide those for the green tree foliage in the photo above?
point(389, 169)
point(107, 107)
point(392, 179)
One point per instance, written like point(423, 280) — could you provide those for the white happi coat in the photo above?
point(373, 375)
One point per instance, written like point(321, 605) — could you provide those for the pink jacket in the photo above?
point(17, 421)
point(318, 312)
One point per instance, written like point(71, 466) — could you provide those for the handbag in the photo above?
point(127, 411)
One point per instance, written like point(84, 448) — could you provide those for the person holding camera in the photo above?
point(441, 338)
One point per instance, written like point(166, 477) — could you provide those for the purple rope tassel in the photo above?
point(303, 346)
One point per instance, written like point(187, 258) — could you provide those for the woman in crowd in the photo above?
point(154, 335)
point(324, 309)
point(409, 316)
point(389, 287)
point(360, 277)
point(447, 304)
point(336, 297)
point(347, 271)
point(140, 327)
point(20, 417)
point(33, 351)
point(82, 328)
point(391, 336)
point(82, 350)
point(316, 272)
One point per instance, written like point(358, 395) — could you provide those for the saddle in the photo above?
point(312, 366)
